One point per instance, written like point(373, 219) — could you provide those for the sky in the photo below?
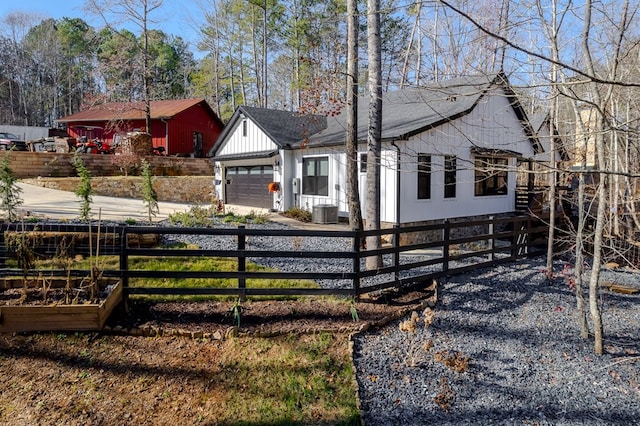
point(177, 17)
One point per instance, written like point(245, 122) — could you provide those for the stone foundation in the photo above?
point(426, 236)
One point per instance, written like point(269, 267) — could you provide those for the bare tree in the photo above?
point(592, 80)
point(553, 37)
point(137, 13)
point(601, 97)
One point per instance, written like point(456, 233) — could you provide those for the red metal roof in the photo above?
point(133, 110)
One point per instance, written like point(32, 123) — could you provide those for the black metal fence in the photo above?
point(407, 256)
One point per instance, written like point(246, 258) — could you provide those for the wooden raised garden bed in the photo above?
point(61, 317)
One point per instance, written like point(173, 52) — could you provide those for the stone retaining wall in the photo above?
point(180, 189)
point(50, 164)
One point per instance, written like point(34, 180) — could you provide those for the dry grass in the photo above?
point(82, 379)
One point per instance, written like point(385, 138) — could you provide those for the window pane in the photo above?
point(315, 177)
point(309, 166)
point(491, 176)
point(450, 176)
point(424, 177)
point(323, 167)
point(322, 185)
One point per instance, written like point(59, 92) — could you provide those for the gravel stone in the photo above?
point(527, 363)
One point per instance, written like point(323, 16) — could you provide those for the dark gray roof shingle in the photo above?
point(406, 112)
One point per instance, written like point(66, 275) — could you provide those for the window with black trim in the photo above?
point(491, 176)
point(315, 176)
point(363, 163)
point(424, 177)
point(450, 176)
point(244, 127)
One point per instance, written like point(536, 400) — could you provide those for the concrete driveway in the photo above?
point(55, 204)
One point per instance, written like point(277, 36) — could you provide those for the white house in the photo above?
point(449, 150)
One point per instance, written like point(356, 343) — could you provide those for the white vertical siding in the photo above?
point(337, 178)
point(255, 140)
point(388, 185)
point(492, 124)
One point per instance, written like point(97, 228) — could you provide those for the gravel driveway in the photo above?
point(503, 347)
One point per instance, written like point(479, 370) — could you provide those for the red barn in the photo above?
point(186, 127)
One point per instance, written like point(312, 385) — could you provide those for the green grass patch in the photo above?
point(178, 264)
point(290, 380)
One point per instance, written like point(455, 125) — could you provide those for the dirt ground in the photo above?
point(172, 374)
point(265, 318)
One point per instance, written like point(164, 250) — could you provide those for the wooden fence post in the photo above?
point(445, 245)
point(396, 253)
point(124, 259)
point(124, 267)
point(515, 239)
point(356, 265)
point(3, 245)
point(492, 232)
point(242, 262)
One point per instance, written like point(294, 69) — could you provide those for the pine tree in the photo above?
point(9, 190)
point(84, 190)
point(149, 194)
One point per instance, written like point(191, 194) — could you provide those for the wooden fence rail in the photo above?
point(432, 251)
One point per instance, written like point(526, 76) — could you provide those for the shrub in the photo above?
point(299, 214)
point(9, 190)
point(196, 216)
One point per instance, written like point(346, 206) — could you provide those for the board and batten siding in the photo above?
point(338, 182)
point(492, 124)
point(388, 184)
point(255, 140)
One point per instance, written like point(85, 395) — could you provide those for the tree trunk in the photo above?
point(407, 55)
point(552, 145)
point(353, 193)
point(594, 307)
point(374, 136)
point(579, 250)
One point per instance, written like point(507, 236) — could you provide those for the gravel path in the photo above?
point(503, 348)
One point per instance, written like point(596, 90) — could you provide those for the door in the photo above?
point(248, 186)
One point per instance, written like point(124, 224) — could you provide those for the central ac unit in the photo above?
point(325, 213)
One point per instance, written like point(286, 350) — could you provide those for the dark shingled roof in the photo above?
point(285, 128)
point(543, 119)
point(407, 112)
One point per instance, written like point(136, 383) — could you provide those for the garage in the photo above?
point(248, 186)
